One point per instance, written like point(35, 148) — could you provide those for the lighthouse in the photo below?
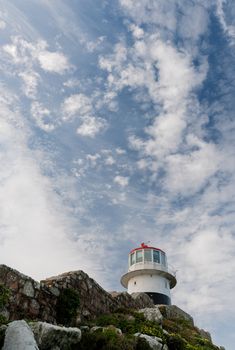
point(149, 273)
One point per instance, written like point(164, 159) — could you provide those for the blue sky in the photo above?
point(117, 127)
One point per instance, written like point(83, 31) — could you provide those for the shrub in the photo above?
point(67, 306)
point(109, 340)
point(4, 295)
point(176, 342)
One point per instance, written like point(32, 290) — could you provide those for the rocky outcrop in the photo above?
point(27, 298)
point(38, 301)
point(134, 301)
point(152, 314)
point(205, 334)
point(154, 342)
point(94, 300)
point(49, 336)
point(19, 336)
point(174, 312)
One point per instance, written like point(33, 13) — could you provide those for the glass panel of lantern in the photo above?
point(139, 256)
point(156, 256)
point(147, 255)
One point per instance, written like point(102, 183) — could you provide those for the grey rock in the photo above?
point(28, 289)
point(55, 291)
point(49, 336)
point(205, 334)
point(152, 314)
point(154, 342)
point(173, 311)
point(114, 329)
point(19, 336)
point(84, 328)
point(96, 329)
point(143, 299)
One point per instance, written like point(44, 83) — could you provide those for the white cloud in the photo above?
point(91, 126)
point(42, 116)
point(120, 151)
point(2, 24)
point(23, 52)
point(54, 62)
point(137, 32)
point(30, 79)
point(188, 173)
point(78, 104)
point(29, 213)
point(228, 28)
point(123, 181)
point(110, 160)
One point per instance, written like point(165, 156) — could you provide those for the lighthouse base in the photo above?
point(159, 298)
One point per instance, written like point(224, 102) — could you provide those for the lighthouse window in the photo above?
point(156, 256)
point(132, 258)
point(147, 255)
point(163, 259)
point(139, 256)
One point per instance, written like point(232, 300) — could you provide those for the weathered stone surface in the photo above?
point(94, 300)
point(143, 300)
point(28, 299)
point(19, 336)
point(173, 311)
point(28, 289)
point(205, 334)
point(37, 301)
point(96, 329)
point(152, 314)
point(50, 336)
point(134, 301)
point(154, 342)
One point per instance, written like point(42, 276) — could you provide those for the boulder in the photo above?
point(154, 342)
point(116, 330)
point(173, 311)
point(51, 336)
point(205, 334)
point(19, 336)
point(152, 314)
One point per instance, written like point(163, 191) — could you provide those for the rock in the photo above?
point(205, 334)
point(118, 331)
point(19, 336)
point(173, 311)
point(154, 342)
point(3, 329)
point(28, 289)
point(143, 300)
point(84, 328)
point(152, 314)
point(51, 336)
point(96, 329)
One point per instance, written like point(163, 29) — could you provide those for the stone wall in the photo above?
point(37, 301)
point(28, 299)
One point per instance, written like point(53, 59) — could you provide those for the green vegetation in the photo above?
point(4, 298)
point(67, 306)
point(110, 340)
point(181, 334)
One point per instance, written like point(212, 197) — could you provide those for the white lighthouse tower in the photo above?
point(148, 272)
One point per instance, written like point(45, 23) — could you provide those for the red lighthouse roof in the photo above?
point(145, 246)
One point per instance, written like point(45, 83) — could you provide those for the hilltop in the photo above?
point(72, 311)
